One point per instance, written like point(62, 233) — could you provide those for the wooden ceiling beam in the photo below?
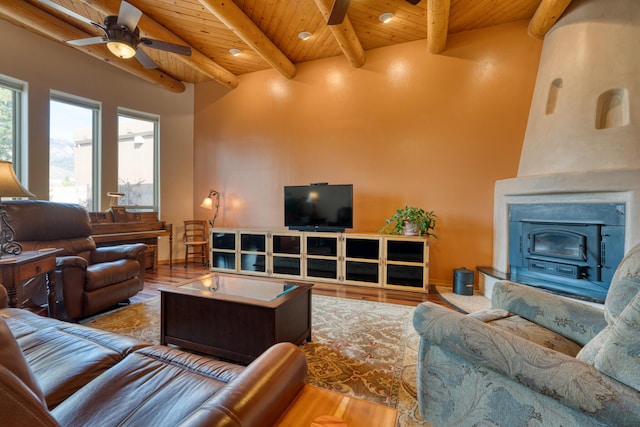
point(154, 30)
point(546, 15)
point(345, 35)
point(235, 19)
point(437, 24)
point(39, 21)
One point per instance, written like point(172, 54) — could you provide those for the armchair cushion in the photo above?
point(114, 253)
point(107, 273)
point(536, 334)
point(619, 356)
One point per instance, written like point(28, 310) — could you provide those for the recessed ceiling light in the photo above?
point(386, 17)
point(235, 52)
point(304, 35)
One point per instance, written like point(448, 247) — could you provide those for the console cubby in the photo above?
point(253, 253)
point(405, 261)
point(286, 255)
point(362, 260)
point(223, 250)
point(321, 260)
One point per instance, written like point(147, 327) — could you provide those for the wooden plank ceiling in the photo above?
point(266, 31)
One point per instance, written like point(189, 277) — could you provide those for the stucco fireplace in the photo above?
point(581, 144)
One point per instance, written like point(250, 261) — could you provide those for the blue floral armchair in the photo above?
point(533, 358)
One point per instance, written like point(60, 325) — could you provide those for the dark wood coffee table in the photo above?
point(235, 317)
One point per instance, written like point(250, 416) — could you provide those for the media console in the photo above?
point(375, 260)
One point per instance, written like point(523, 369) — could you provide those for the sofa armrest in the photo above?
point(571, 382)
point(19, 406)
point(260, 394)
point(115, 253)
point(572, 319)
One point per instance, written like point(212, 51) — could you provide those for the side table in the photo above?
point(17, 269)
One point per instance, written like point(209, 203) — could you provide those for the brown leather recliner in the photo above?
point(88, 279)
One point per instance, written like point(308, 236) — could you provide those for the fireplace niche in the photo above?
point(568, 248)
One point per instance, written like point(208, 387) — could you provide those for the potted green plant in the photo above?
point(411, 221)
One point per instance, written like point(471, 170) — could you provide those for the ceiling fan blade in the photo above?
point(88, 41)
point(144, 59)
point(169, 47)
point(71, 13)
point(129, 15)
point(338, 12)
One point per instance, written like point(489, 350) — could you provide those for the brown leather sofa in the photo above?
point(88, 279)
point(55, 373)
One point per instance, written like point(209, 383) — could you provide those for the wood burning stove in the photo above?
point(571, 248)
point(567, 250)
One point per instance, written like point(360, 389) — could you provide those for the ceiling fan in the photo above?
point(339, 11)
point(122, 34)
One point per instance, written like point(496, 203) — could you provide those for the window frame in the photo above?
point(96, 135)
point(19, 89)
point(155, 119)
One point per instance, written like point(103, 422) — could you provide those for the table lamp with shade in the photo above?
point(10, 186)
point(114, 198)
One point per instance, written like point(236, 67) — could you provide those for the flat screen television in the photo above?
point(318, 207)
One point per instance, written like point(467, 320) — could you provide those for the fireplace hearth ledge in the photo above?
point(488, 276)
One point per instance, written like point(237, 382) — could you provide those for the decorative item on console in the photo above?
point(207, 203)
point(9, 187)
point(411, 221)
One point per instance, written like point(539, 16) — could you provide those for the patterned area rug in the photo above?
point(360, 348)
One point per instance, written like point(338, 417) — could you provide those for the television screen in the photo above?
point(319, 207)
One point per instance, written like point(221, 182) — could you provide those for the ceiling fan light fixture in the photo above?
point(235, 52)
point(304, 35)
point(121, 49)
point(386, 17)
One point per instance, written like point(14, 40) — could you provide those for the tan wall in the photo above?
point(435, 131)
point(46, 65)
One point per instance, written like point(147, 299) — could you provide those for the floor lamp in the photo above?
point(9, 187)
point(208, 203)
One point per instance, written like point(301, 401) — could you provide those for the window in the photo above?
point(137, 160)
point(11, 93)
point(73, 146)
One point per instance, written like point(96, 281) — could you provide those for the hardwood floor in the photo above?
point(164, 276)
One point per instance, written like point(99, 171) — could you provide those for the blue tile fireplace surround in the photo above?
point(568, 248)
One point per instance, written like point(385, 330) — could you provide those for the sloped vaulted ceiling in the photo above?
point(267, 31)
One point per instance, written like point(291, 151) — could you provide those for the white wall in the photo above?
point(589, 57)
point(47, 65)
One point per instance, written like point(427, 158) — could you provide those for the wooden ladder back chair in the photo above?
point(196, 241)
